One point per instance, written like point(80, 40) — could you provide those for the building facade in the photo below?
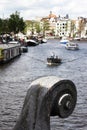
point(63, 26)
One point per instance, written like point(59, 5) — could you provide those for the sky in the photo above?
point(30, 9)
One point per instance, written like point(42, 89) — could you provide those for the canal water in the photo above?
point(16, 76)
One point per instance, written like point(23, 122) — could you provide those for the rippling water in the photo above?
point(16, 76)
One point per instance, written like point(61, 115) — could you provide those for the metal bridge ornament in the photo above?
point(47, 96)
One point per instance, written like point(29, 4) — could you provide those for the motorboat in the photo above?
point(77, 38)
point(14, 42)
point(43, 40)
point(24, 49)
point(30, 42)
point(53, 60)
point(64, 40)
point(72, 46)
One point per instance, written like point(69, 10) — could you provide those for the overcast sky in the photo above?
point(29, 9)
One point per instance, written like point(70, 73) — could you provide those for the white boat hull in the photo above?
point(72, 46)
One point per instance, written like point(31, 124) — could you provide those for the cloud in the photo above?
point(32, 8)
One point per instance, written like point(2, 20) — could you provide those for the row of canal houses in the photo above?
point(64, 26)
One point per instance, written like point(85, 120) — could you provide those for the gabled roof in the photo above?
point(51, 15)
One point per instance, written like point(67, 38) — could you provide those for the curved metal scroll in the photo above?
point(47, 96)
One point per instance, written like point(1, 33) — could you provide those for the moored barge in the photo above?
point(8, 52)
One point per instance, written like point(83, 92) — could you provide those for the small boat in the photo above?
point(53, 60)
point(41, 39)
point(77, 38)
point(72, 46)
point(13, 42)
point(44, 40)
point(64, 40)
point(24, 49)
point(30, 42)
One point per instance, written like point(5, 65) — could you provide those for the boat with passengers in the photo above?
point(53, 60)
point(72, 46)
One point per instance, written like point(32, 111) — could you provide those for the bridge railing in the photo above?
point(47, 96)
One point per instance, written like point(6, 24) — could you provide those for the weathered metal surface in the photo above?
point(47, 96)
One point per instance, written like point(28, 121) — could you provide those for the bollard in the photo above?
point(47, 96)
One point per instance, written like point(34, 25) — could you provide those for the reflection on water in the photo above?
point(16, 76)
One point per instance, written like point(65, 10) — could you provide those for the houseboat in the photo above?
point(9, 51)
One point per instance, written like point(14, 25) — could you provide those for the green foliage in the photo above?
point(13, 24)
point(37, 27)
point(0, 25)
point(33, 26)
point(30, 25)
point(4, 26)
point(45, 26)
point(16, 23)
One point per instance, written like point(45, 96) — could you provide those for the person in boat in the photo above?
point(57, 57)
point(53, 55)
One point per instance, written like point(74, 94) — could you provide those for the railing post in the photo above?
point(47, 96)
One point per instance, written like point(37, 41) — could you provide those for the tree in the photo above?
point(30, 25)
point(81, 26)
point(37, 27)
point(4, 26)
point(1, 25)
point(16, 23)
point(73, 28)
point(52, 32)
point(46, 26)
